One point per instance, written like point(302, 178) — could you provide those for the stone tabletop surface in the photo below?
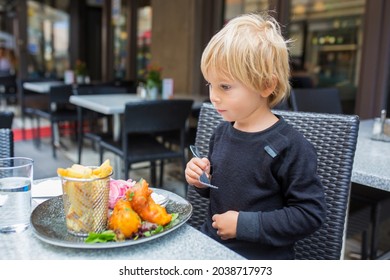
point(372, 159)
point(185, 243)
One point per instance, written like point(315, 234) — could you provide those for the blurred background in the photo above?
point(336, 43)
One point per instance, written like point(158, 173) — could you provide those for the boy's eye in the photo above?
point(225, 87)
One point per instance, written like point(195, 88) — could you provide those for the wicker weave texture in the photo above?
point(334, 137)
point(6, 143)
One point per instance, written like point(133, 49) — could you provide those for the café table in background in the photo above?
point(108, 104)
point(114, 104)
point(371, 170)
point(372, 159)
point(41, 87)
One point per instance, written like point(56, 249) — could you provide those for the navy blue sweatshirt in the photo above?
point(270, 178)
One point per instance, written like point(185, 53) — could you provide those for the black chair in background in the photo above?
point(58, 111)
point(284, 105)
point(95, 133)
point(129, 85)
point(6, 119)
point(6, 143)
point(369, 207)
point(98, 89)
point(319, 100)
point(30, 101)
point(142, 123)
point(173, 138)
point(8, 89)
point(335, 138)
point(301, 81)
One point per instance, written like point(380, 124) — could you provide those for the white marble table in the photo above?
point(371, 169)
point(114, 104)
point(372, 160)
point(41, 87)
point(108, 104)
point(185, 243)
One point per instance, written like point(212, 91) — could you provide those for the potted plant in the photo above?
point(153, 81)
point(80, 71)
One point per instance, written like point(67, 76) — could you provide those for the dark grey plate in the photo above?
point(48, 223)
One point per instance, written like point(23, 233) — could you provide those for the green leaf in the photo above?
point(110, 235)
point(158, 230)
point(174, 221)
point(94, 237)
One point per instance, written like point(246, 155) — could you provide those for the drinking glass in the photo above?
point(16, 175)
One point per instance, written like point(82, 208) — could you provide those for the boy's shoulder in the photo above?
point(292, 136)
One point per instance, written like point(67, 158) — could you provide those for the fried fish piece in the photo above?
point(144, 205)
point(124, 219)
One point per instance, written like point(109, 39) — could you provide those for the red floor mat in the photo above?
point(65, 128)
point(18, 133)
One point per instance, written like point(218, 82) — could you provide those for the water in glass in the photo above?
point(15, 203)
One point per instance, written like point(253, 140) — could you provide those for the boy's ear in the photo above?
point(269, 88)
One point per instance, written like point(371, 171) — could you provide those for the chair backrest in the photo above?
point(9, 83)
point(97, 89)
point(6, 119)
point(156, 116)
point(129, 85)
point(284, 105)
point(334, 137)
point(318, 100)
point(60, 94)
point(6, 143)
point(28, 98)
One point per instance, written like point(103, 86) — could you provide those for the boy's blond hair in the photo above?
point(250, 49)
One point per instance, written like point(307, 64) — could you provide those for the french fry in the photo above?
point(86, 201)
point(103, 170)
point(82, 172)
point(62, 172)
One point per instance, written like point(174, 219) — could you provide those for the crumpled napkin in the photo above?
point(47, 188)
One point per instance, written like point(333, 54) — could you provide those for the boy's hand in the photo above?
point(195, 167)
point(226, 224)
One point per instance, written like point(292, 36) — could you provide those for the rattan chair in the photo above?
point(6, 143)
point(334, 137)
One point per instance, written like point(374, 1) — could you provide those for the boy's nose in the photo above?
point(214, 98)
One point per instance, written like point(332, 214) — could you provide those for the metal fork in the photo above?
point(203, 178)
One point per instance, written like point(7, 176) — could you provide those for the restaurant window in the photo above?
point(48, 40)
point(327, 42)
point(121, 35)
point(119, 18)
point(144, 35)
